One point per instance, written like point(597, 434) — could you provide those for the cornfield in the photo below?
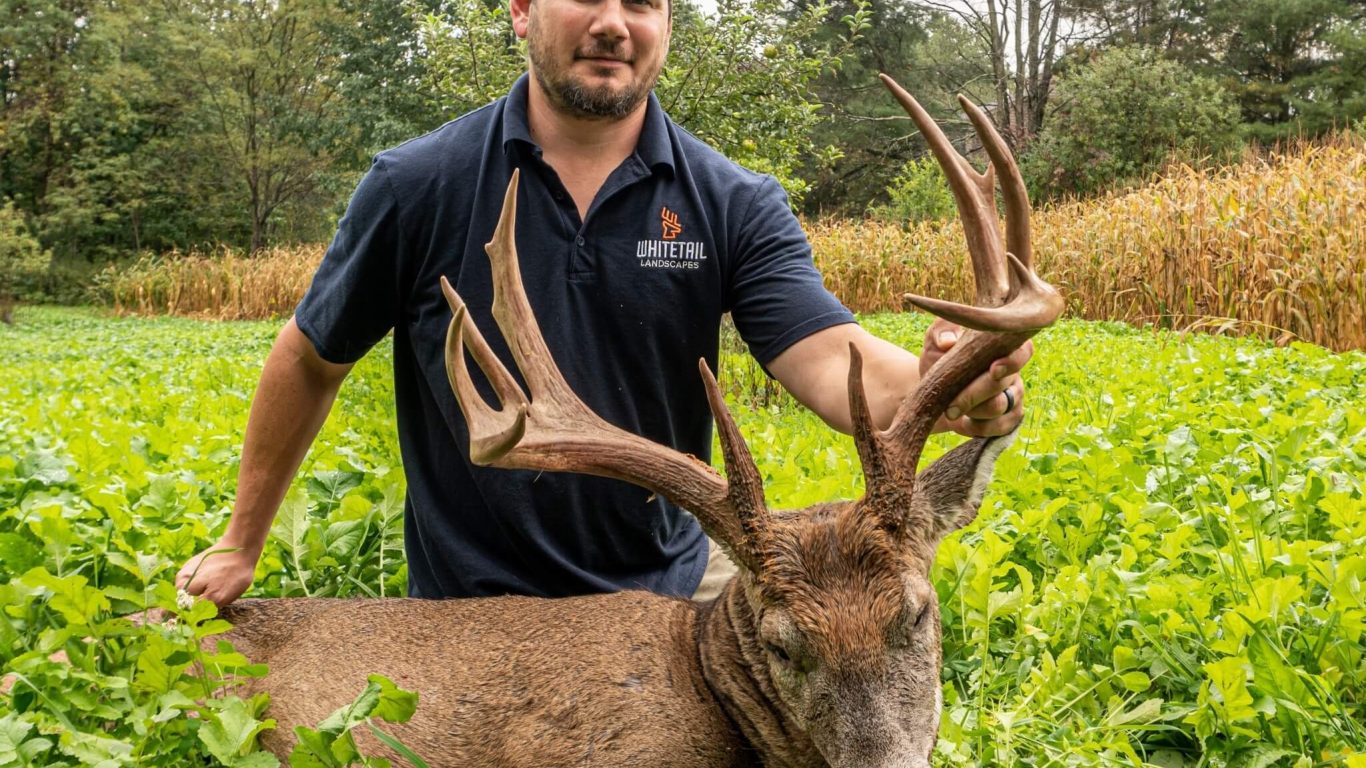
point(1273, 247)
point(226, 285)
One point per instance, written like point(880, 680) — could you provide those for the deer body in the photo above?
point(503, 681)
point(823, 650)
point(634, 678)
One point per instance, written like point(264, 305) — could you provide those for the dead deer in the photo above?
point(824, 650)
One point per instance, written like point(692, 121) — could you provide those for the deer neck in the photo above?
point(735, 669)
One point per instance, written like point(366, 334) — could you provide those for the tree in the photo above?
point(1023, 41)
point(471, 54)
point(36, 40)
point(381, 76)
point(1294, 66)
point(932, 54)
point(1279, 55)
point(1121, 116)
point(740, 81)
point(88, 124)
point(113, 130)
point(1337, 89)
point(1178, 28)
point(268, 112)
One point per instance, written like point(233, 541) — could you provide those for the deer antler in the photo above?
point(553, 429)
point(1012, 305)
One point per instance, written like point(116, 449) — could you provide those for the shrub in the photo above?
point(1121, 117)
point(918, 193)
point(23, 262)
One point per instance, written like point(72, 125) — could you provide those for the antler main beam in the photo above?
point(552, 429)
point(1012, 302)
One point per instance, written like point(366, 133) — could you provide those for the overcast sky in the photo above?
point(706, 6)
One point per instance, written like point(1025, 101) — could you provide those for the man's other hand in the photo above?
point(220, 573)
point(993, 404)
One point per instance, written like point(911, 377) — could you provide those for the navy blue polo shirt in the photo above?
point(628, 299)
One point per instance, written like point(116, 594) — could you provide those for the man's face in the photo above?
point(595, 58)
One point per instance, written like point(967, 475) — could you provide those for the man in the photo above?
point(634, 239)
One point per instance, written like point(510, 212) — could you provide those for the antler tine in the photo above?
point(746, 485)
point(1012, 183)
point(885, 479)
point(554, 430)
point(974, 194)
point(492, 432)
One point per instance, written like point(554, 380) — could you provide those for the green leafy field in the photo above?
point(1169, 567)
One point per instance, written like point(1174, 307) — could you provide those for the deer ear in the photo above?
point(951, 488)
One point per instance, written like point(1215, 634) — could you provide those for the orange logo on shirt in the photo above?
point(669, 222)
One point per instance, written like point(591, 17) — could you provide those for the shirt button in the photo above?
point(579, 242)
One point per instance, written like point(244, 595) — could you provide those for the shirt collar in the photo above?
point(654, 147)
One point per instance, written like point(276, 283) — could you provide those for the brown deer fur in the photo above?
point(823, 650)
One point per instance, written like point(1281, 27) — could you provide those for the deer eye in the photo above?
point(920, 617)
point(779, 653)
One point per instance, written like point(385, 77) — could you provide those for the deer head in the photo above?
point(826, 648)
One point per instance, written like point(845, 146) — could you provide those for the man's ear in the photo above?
point(951, 489)
point(521, 16)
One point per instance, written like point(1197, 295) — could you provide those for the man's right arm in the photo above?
point(292, 401)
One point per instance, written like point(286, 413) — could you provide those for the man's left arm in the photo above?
point(816, 371)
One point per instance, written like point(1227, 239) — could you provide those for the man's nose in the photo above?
point(610, 21)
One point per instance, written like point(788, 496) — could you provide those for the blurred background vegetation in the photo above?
point(138, 131)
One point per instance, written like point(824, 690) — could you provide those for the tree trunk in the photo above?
point(998, 70)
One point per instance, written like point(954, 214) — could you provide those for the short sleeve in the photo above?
point(777, 296)
point(353, 300)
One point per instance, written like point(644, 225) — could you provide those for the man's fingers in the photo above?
point(1013, 363)
point(992, 428)
point(983, 398)
point(195, 587)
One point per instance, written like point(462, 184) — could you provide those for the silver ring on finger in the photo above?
point(1010, 400)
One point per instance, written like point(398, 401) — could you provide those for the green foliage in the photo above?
point(132, 126)
point(157, 126)
point(95, 518)
point(268, 76)
point(1294, 67)
point(919, 193)
point(933, 56)
point(1120, 117)
point(379, 79)
point(743, 81)
point(739, 81)
point(1285, 65)
point(1167, 570)
point(472, 56)
point(23, 260)
point(856, 107)
point(331, 744)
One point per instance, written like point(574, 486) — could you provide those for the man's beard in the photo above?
point(580, 100)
